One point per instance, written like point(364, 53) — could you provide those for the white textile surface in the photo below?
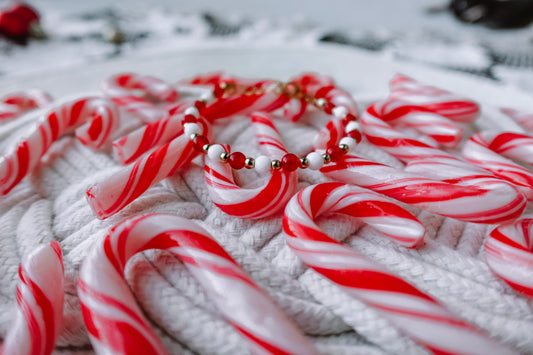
point(51, 205)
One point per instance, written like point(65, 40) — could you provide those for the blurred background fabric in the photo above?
point(423, 31)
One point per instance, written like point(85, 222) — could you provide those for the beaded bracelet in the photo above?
point(289, 162)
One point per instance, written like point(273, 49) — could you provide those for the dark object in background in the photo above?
point(19, 21)
point(494, 13)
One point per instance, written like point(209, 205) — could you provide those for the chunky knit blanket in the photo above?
point(50, 205)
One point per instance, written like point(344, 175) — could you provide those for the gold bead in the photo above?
point(192, 136)
point(326, 157)
point(205, 148)
point(345, 148)
point(224, 157)
point(304, 163)
point(249, 163)
point(275, 164)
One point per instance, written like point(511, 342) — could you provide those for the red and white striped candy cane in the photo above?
point(13, 105)
point(501, 201)
point(455, 107)
point(466, 203)
point(40, 304)
point(509, 251)
point(525, 120)
point(127, 84)
point(131, 146)
point(141, 108)
point(321, 87)
point(259, 202)
point(94, 119)
point(111, 195)
point(415, 313)
point(266, 100)
point(429, 110)
point(117, 325)
point(490, 150)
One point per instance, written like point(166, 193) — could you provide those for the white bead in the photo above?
point(340, 111)
point(352, 126)
point(315, 160)
point(192, 111)
point(191, 128)
point(215, 151)
point(262, 164)
point(206, 96)
point(350, 142)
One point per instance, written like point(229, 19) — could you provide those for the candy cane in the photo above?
point(141, 108)
point(40, 304)
point(259, 202)
point(506, 201)
point(111, 195)
point(94, 120)
point(117, 325)
point(130, 147)
point(13, 105)
point(455, 107)
point(509, 251)
point(321, 87)
point(429, 110)
point(467, 203)
point(523, 119)
point(489, 149)
point(415, 313)
point(244, 105)
point(147, 86)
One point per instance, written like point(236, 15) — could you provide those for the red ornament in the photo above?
point(17, 22)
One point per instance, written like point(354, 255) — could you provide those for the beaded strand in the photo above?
point(289, 162)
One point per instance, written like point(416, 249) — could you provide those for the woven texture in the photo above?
point(50, 205)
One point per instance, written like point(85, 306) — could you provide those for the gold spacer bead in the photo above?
point(224, 157)
point(345, 148)
point(326, 157)
point(249, 163)
point(205, 148)
point(275, 164)
point(192, 136)
point(304, 163)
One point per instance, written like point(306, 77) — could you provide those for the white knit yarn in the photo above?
point(50, 205)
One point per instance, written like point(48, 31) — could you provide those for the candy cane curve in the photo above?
point(429, 110)
point(117, 325)
point(120, 189)
point(415, 313)
point(94, 119)
point(150, 87)
point(14, 104)
point(525, 120)
point(40, 304)
point(262, 201)
point(490, 150)
point(146, 111)
point(467, 203)
point(509, 253)
point(455, 107)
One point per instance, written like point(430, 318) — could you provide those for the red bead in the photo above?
point(236, 160)
point(199, 142)
point(351, 117)
point(335, 153)
point(218, 92)
point(189, 119)
point(200, 105)
point(290, 162)
point(355, 134)
point(328, 107)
